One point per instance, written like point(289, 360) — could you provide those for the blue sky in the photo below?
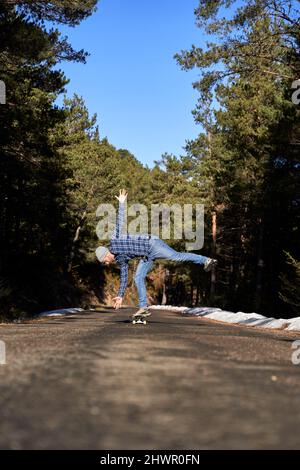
point(141, 96)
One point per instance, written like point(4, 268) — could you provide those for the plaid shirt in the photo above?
point(126, 247)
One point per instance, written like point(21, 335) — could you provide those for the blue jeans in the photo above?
point(160, 250)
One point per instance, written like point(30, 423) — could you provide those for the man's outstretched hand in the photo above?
point(122, 195)
point(117, 302)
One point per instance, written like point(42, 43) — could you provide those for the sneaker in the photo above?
point(142, 311)
point(209, 264)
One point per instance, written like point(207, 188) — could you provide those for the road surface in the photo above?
point(94, 381)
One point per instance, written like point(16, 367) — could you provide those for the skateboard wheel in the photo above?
point(144, 322)
point(134, 322)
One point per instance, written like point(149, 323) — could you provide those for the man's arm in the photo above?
point(123, 284)
point(120, 221)
point(123, 279)
point(121, 214)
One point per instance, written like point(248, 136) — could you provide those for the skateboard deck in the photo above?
point(139, 319)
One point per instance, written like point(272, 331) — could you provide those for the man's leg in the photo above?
point(142, 270)
point(160, 249)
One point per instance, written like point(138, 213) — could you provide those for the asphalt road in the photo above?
point(95, 381)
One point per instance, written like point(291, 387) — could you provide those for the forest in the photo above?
point(244, 166)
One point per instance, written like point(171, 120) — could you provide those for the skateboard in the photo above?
point(139, 319)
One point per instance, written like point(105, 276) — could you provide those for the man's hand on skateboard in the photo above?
point(117, 302)
point(122, 196)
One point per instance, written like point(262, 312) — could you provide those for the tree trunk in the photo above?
point(192, 294)
point(260, 265)
point(198, 296)
point(135, 263)
point(75, 239)
point(213, 254)
point(79, 227)
point(164, 292)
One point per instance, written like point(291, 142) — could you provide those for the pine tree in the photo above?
point(35, 223)
point(245, 156)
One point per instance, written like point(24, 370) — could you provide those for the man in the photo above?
point(125, 247)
